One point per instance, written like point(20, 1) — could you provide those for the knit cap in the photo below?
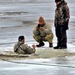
point(41, 19)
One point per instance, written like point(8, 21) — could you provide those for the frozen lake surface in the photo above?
point(18, 17)
point(56, 66)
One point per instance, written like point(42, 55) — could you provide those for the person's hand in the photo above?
point(36, 27)
point(42, 28)
point(33, 46)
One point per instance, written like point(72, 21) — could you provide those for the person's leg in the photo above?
point(58, 35)
point(39, 40)
point(63, 38)
point(49, 38)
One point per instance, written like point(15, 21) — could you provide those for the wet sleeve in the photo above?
point(15, 48)
point(29, 50)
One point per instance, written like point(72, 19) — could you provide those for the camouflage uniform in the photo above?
point(61, 23)
point(21, 48)
point(45, 35)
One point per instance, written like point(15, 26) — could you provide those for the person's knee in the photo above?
point(49, 37)
point(36, 33)
point(37, 38)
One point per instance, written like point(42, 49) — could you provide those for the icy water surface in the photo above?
point(18, 17)
point(56, 66)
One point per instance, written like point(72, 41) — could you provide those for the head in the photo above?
point(21, 39)
point(41, 20)
point(58, 2)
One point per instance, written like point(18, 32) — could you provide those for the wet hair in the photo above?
point(20, 38)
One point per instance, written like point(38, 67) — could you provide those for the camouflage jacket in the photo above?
point(62, 14)
point(21, 48)
point(47, 30)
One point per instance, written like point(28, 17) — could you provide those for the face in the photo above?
point(41, 23)
point(23, 40)
point(57, 3)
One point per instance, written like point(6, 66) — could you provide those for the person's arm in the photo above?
point(47, 29)
point(66, 13)
point(66, 16)
point(15, 48)
point(36, 31)
point(29, 50)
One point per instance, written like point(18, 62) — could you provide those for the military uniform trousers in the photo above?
point(48, 38)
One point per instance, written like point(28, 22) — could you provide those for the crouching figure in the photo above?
point(42, 32)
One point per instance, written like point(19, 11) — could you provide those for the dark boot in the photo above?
point(40, 44)
point(57, 47)
point(63, 47)
point(50, 44)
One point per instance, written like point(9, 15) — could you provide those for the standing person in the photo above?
point(42, 32)
point(61, 23)
point(22, 48)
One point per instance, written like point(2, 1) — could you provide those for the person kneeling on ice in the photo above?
point(22, 48)
point(42, 32)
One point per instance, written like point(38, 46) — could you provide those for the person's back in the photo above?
point(22, 48)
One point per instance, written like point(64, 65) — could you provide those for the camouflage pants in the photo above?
point(48, 38)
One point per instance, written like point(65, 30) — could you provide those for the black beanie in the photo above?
point(59, 0)
point(20, 38)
